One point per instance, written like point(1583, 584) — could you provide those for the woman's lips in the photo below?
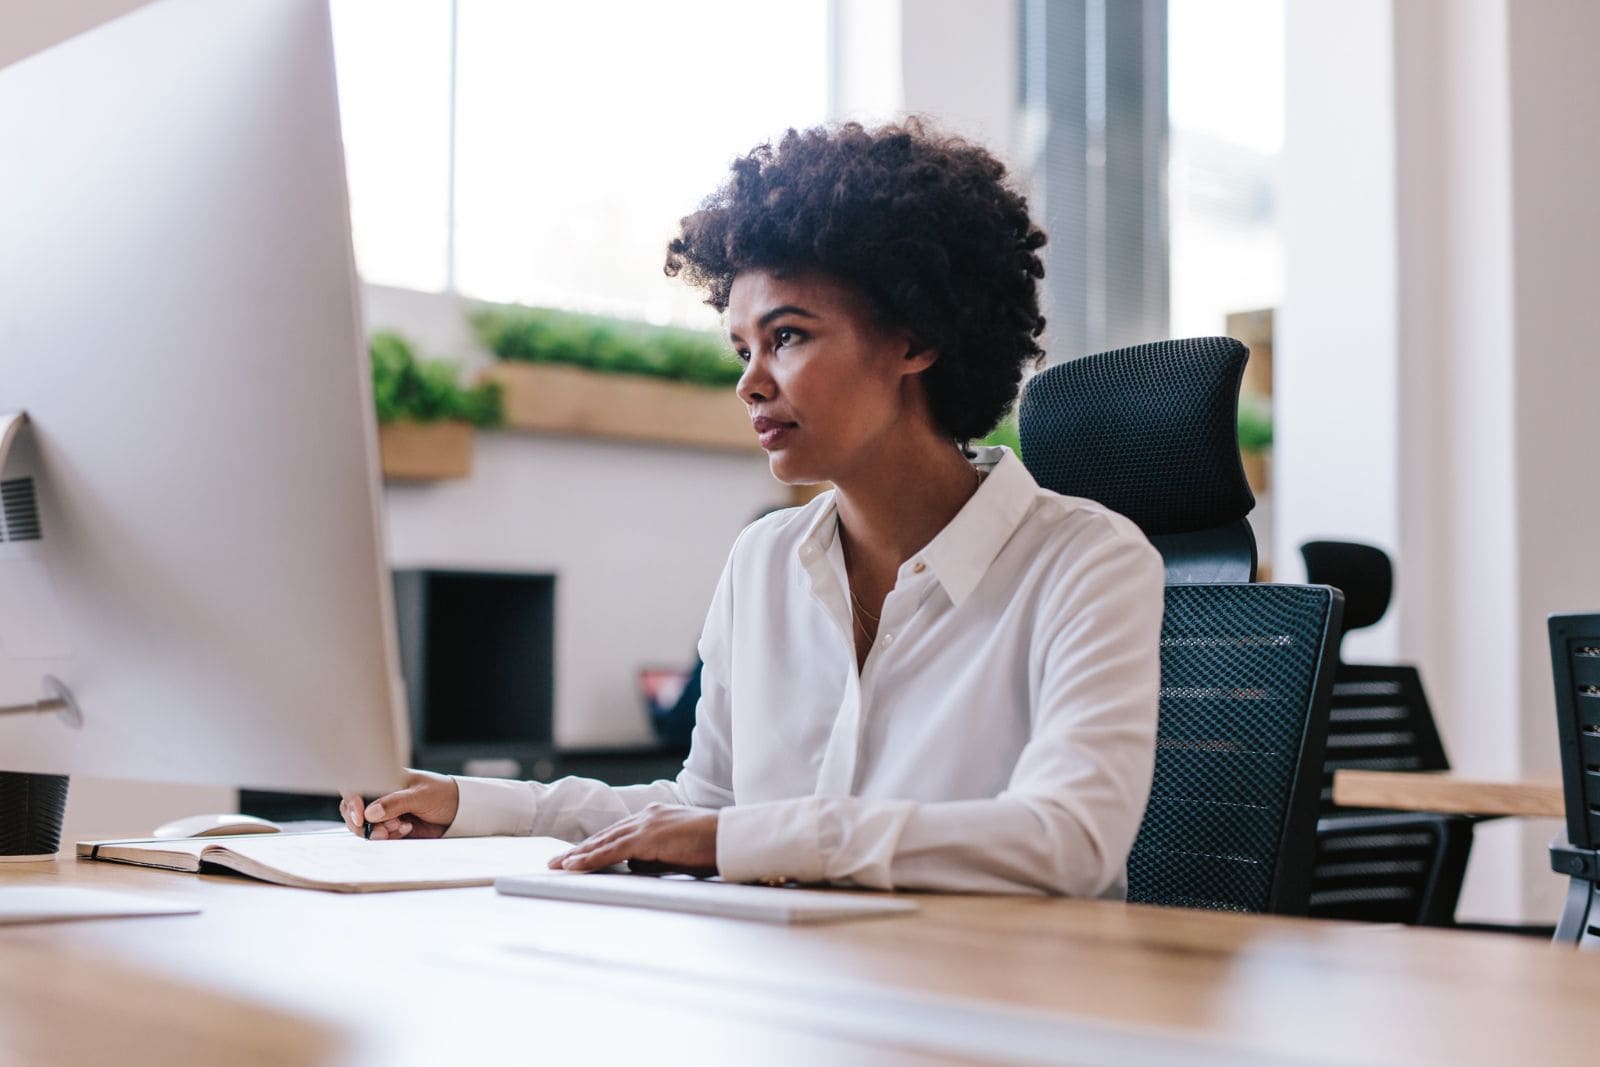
point(771, 432)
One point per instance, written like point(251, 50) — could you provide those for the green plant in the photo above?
point(426, 390)
point(1255, 423)
point(1005, 434)
point(610, 346)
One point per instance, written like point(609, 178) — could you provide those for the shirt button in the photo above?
point(919, 568)
point(888, 639)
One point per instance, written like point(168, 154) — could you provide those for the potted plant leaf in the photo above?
point(426, 418)
point(1255, 438)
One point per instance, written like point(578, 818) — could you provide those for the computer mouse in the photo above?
point(214, 826)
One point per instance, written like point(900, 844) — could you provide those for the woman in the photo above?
point(937, 675)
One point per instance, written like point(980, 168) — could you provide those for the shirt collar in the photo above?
point(961, 553)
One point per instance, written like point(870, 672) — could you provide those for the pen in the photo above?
point(366, 830)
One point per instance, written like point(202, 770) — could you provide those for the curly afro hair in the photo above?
point(923, 225)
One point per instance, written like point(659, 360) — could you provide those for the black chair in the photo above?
point(1150, 432)
point(1372, 865)
point(1244, 697)
point(1575, 662)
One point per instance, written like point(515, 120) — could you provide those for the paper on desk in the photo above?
point(680, 893)
point(39, 904)
point(345, 862)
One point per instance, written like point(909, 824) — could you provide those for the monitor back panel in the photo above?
point(180, 321)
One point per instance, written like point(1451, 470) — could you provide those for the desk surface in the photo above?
point(286, 976)
point(1448, 791)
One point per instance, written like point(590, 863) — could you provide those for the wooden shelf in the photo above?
point(555, 399)
point(425, 451)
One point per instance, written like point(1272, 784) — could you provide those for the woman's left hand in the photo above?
point(658, 837)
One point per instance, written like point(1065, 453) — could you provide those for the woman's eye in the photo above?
point(786, 336)
point(742, 355)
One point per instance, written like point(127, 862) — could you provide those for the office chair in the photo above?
point(1380, 866)
point(1575, 663)
point(1150, 431)
point(1244, 699)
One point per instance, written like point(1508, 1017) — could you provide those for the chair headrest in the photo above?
point(1362, 572)
point(1150, 431)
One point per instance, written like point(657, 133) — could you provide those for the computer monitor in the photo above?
point(191, 554)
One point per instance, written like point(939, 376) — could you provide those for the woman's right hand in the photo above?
point(424, 807)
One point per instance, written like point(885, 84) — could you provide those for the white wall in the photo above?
point(1335, 359)
point(1442, 241)
point(958, 63)
point(951, 60)
point(29, 26)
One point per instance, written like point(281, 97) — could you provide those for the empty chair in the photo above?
point(1575, 662)
point(1150, 432)
point(1380, 866)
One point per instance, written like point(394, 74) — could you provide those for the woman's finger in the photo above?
point(350, 808)
point(598, 839)
point(605, 836)
point(596, 858)
point(386, 807)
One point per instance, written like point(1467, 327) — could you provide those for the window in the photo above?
point(582, 133)
point(1226, 105)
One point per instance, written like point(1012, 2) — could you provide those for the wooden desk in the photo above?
point(468, 977)
point(1447, 791)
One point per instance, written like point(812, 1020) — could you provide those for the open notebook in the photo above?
point(340, 861)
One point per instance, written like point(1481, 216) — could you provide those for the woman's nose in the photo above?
point(755, 385)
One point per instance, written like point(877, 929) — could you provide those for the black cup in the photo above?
point(32, 807)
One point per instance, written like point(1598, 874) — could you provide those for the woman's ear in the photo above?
point(919, 357)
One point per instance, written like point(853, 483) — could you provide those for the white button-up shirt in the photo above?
point(1000, 736)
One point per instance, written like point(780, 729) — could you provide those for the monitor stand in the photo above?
point(32, 805)
point(57, 698)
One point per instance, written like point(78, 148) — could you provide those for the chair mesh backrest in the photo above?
point(1363, 573)
point(1378, 720)
point(1575, 662)
point(1244, 694)
point(1149, 431)
point(1400, 868)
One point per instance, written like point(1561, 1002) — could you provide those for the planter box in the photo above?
point(1257, 471)
point(551, 398)
point(425, 451)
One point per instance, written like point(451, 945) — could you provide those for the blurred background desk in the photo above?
point(269, 974)
point(1448, 792)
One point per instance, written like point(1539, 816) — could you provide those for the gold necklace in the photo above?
point(862, 607)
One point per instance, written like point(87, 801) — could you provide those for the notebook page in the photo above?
point(340, 860)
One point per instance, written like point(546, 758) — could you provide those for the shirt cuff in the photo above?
point(779, 840)
point(493, 807)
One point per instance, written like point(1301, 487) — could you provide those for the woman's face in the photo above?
point(826, 387)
